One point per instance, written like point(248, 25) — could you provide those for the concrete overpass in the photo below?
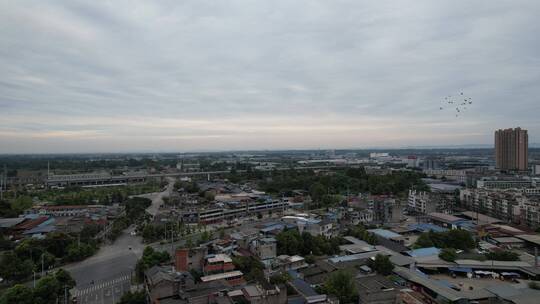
point(96, 180)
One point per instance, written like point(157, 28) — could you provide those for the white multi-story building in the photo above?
point(426, 202)
point(455, 175)
point(513, 205)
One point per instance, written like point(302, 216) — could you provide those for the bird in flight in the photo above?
point(460, 103)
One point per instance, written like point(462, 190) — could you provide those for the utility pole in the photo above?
point(172, 240)
point(42, 265)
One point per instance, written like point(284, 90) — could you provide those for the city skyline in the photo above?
point(120, 77)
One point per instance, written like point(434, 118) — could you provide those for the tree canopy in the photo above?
point(455, 238)
point(137, 297)
point(49, 290)
point(149, 259)
point(291, 242)
point(341, 284)
point(351, 180)
point(448, 254)
point(381, 264)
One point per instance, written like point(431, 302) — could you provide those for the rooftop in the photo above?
point(425, 227)
point(353, 257)
point(374, 283)
point(356, 248)
point(423, 280)
point(424, 252)
point(219, 258)
point(507, 240)
point(531, 238)
point(387, 234)
point(221, 276)
point(443, 217)
point(10, 222)
point(481, 218)
point(353, 240)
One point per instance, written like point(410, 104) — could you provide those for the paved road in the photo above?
point(104, 277)
point(105, 292)
point(157, 198)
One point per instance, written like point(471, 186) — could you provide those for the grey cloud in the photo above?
point(296, 61)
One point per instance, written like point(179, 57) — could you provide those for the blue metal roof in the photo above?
point(51, 220)
point(424, 227)
point(423, 252)
point(272, 228)
point(387, 234)
point(304, 288)
point(293, 273)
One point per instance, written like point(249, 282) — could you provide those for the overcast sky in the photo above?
point(116, 76)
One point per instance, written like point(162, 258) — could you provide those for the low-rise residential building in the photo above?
point(164, 283)
point(264, 248)
point(310, 225)
point(222, 211)
point(187, 259)
point(376, 289)
point(421, 202)
point(287, 262)
point(217, 263)
point(455, 175)
point(231, 278)
point(506, 182)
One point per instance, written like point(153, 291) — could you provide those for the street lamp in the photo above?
point(42, 264)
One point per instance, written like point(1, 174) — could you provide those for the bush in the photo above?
point(502, 256)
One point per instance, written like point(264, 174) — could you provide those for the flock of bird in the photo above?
point(460, 102)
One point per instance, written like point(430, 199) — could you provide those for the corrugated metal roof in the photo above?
point(424, 252)
point(387, 234)
point(424, 227)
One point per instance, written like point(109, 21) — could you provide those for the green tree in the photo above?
point(205, 237)
point(448, 254)
point(12, 268)
point(21, 203)
point(65, 278)
point(47, 290)
point(317, 191)
point(280, 278)
point(341, 284)
point(423, 241)
point(455, 238)
point(209, 196)
point(137, 297)
point(251, 266)
point(19, 294)
point(381, 264)
point(149, 259)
